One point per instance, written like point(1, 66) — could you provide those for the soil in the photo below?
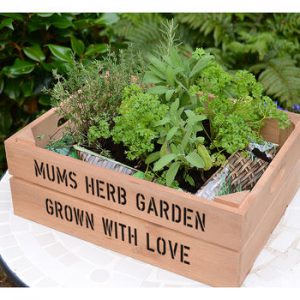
point(199, 179)
point(118, 153)
point(261, 155)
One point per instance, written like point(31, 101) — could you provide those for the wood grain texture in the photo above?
point(223, 222)
point(267, 202)
point(235, 199)
point(279, 173)
point(237, 226)
point(208, 263)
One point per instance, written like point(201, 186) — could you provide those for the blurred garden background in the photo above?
point(32, 45)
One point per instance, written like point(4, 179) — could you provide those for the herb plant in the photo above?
point(180, 143)
point(235, 106)
point(91, 94)
point(134, 127)
point(176, 117)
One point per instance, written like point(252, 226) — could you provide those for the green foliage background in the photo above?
point(32, 45)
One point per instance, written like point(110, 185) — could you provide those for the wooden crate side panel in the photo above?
point(31, 136)
point(267, 224)
point(143, 240)
point(234, 199)
point(48, 129)
point(282, 170)
point(221, 223)
point(271, 132)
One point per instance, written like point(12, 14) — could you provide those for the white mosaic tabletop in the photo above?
point(43, 257)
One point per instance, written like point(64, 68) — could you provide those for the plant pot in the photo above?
point(165, 227)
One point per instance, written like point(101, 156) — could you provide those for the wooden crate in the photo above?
point(215, 242)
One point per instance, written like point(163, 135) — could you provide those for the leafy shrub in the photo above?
point(199, 88)
point(90, 95)
point(32, 45)
point(152, 114)
point(237, 107)
point(266, 44)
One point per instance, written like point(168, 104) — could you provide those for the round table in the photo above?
point(37, 256)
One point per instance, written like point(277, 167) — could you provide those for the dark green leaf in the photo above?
point(20, 67)
point(195, 160)
point(14, 16)
point(61, 53)
point(45, 100)
point(171, 173)
point(7, 23)
point(38, 23)
point(95, 50)
point(61, 21)
point(163, 161)
point(73, 153)
point(27, 87)
point(77, 45)
point(12, 89)
point(5, 121)
point(35, 52)
point(1, 85)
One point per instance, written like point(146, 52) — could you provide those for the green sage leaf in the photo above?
point(171, 133)
point(152, 157)
point(163, 161)
point(195, 160)
point(172, 172)
point(200, 65)
point(169, 94)
point(158, 90)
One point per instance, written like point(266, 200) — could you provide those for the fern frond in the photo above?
point(142, 30)
point(281, 79)
point(218, 25)
point(253, 43)
point(287, 24)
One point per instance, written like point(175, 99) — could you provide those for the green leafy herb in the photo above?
point(134, 127)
